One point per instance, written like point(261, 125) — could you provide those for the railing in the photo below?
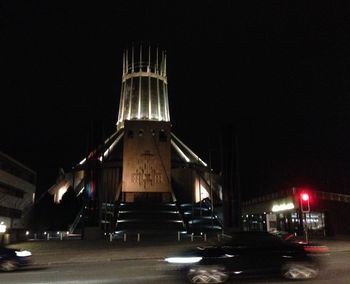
point(76, 220)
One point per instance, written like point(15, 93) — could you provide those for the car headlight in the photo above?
point(23, 253)
point(191, 259)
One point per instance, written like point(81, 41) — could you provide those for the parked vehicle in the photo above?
point(250, 253)
point(13, 259)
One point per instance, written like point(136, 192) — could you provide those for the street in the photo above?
point(148, 271)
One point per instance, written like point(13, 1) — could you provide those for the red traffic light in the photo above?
point(305, 196)
point(304, 202)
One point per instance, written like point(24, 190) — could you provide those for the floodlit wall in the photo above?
point(146, 157)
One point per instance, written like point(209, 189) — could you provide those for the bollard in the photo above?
point(61, 236)
point(124, 237)
point(138, 237)
point(178, 235)
point(192, 237)
point(110, 237)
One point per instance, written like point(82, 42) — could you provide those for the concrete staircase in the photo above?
point(200, 219)
point(149, 220)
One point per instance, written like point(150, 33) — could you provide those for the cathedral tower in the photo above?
point(144, 91)
point(142, 177)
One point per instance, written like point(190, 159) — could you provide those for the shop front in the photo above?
point(282, 212)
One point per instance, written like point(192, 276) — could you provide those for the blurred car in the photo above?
point(250, 253)
point(13, 259)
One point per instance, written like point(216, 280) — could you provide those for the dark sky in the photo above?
point(278, 71)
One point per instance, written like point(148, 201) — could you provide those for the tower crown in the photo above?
point(144, 90)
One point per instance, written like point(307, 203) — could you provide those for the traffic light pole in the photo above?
point(304, 200)
point(306, 232)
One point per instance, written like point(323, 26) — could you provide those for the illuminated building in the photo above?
point(283, 212)
point(17, 193)
point(143, 161)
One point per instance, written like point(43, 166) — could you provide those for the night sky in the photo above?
point(277, 71)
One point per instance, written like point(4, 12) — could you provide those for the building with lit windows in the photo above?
point(17, 193)
point(325, 213)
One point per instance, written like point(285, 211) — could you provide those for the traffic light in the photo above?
point(304, 202)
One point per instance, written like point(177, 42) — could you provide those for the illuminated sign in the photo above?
point(282, 207)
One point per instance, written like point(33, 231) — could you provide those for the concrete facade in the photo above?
point(17, 194)
point(146, 157)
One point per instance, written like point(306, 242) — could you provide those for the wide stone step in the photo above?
point(147, 206)
point(152, 215)
point(161, 226)
point(149, 218)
